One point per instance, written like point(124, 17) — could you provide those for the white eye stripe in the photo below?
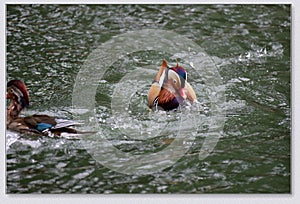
point(17, 91)
point(162, 78)
point(173, 75)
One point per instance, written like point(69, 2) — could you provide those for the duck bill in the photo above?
point(182, 93)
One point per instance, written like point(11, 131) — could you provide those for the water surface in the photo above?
point(250, 46)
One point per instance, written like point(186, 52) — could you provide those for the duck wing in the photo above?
point(34, 120)
point(64, 126)
point(39, 122)
point(61, 123)
point(45, 125)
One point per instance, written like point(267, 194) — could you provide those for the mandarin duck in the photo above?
point(35, 124)
point(170, 88)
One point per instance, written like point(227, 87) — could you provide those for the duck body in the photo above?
point(42, 125)
point(38, 124)
point(170, 88)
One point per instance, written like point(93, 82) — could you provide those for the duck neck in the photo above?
point(13, 111)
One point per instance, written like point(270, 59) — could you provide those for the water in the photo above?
point(47, 45)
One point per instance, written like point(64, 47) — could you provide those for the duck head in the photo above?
point(186, 91)
point(179, 77)
point(18, 94)
point(170, 83)
point(173, 84)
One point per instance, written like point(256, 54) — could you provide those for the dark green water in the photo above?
point(250, 45)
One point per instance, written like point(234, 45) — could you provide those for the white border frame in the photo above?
point(294, 197)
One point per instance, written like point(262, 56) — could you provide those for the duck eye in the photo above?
point(174, 81)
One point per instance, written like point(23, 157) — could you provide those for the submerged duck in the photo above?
point(170, 88)
point(35, 124)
